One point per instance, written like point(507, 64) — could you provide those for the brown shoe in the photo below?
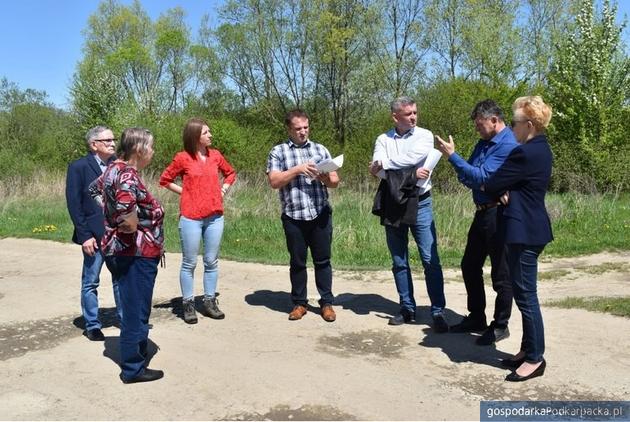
point(328, 313)
point(298, 312)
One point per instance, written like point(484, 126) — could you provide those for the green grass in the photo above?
point(619, 306)
point(605, 267)
point(582, 224)
point(552, 275)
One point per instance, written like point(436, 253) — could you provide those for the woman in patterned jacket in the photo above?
point(132, 245)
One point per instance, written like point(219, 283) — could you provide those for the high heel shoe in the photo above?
point(511, 363)
point(538, 372)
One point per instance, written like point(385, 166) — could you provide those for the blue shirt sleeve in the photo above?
point(474, 173)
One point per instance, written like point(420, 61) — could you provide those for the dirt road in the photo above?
point(256, 364)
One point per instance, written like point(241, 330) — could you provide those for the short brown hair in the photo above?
point(293, 114)
point(191, 135)
point(133, 141)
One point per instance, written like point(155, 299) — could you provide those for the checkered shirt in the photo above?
point(301, 198)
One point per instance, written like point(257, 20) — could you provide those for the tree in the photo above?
point(473, 39)
point(544, 27)
point(264, 46)
point(396, 47)
point(145, 63)
point(11, 95)
point(589, 88)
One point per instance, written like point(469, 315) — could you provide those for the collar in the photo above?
point(500, 136)
point(404, 135)
point(304, 145)
point(99, 161)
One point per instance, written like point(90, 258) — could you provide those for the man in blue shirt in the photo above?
point(496, 143)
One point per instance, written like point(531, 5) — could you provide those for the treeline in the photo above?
point(342, 61)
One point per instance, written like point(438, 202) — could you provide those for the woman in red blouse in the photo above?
point(201, 212)
point(132, 245)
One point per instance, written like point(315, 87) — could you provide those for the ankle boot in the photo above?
point(190, 316)
point(211, 308)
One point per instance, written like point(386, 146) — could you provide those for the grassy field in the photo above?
point(35, 207)
point(619, 306)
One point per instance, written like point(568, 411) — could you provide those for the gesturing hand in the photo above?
point(446, 148)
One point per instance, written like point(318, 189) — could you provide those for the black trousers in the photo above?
point(315, 235)
point(484, 239)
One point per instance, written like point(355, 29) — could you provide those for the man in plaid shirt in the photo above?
point(306, 214)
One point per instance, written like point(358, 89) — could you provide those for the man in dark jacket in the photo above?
point(87, 218)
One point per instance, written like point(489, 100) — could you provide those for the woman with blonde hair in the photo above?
point(522, 181)
point(201, 212)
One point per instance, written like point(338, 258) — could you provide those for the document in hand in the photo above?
point(430, 162)
point(330, 164)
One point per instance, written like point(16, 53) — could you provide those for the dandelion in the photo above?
point(49, 228)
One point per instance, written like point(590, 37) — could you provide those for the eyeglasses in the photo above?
point(514, 122)
point(106, 141)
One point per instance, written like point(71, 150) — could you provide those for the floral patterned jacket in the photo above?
point(121, 191)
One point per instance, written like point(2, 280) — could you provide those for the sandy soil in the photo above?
point(256, 364)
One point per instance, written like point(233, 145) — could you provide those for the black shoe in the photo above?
point(95, 335)
point(404, 317)
point(538, 372)
point(468, 325)
point(439, 323)
point(511, 363)
point(147, 376)
point(493, 335)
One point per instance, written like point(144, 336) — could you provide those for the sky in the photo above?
point(41, 40)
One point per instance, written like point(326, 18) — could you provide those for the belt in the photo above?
point(424, 196)
point(484, 207)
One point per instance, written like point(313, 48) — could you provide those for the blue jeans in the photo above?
point(523, 263)
point(90, 280)
point(191, 232)
point(424, 234)
point(136, 278)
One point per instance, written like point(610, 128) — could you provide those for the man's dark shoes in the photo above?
point(95, 335)
point(404, 317)
point(538, 372)
point(147, 376)
point(469, 324)
point(439, 323)
point(492, 335)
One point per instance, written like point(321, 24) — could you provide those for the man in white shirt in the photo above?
point(407, 147)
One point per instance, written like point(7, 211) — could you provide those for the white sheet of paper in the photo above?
point(329, 165)
point(429, 163)
point(432, 159)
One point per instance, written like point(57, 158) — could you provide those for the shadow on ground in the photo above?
point(176, 305)
point(112, 349)
point(107, 316)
